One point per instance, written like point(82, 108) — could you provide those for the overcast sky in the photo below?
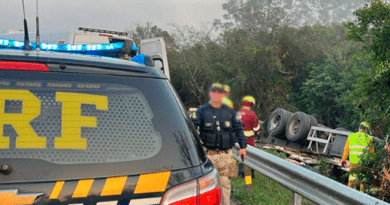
point(68, 15)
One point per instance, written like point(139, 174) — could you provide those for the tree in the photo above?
point(139, 32)
point(323, 93)
point(329, 79)
point(254, 15)
point(372, 94)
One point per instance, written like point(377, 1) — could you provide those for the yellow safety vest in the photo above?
point(227, 101)
point(357, 143)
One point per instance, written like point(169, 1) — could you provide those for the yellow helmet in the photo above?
point(226, 88)
point(217, 86)
point(249, 99)
point(364, 124)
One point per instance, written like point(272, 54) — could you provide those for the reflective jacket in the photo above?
point(355, 145)
point(219, 128)
point(228, 102)
point(250, 121)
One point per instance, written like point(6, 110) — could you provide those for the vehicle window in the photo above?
point(116, 40)
point(105, 125)
point(73, 122)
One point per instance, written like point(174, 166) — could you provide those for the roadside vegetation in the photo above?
point(337, 71)
point(264, 190)
point(332, 69)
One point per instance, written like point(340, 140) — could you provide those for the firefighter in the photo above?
point(250, 123)
point(219, 128)
point(354, 147)
point(226, 100)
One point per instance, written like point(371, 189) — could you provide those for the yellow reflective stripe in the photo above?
point(356, 146)
point(257, 128)
point(352, 178)
point(155, 182)
point(11, 197)
point(249, 133)
point(248, 180)
point(355, 153)
point(155, 200)
point(57, 190)
point(107, 203)
point(114, 186)
point(82, 188)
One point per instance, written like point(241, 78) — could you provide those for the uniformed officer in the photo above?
point(220, 128)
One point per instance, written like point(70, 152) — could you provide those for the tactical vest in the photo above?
point(357, 143)
point(218, 134)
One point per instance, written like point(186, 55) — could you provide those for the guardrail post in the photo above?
point(296, 199)
point(248, 179)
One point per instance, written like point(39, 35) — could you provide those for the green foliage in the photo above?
point(276, 153)
point(255, 15)
point(267, 191)
point(323, 93)
point(264, 189)
point(309, 68)
point(372, 93)
point(148, 30)
point(370, 166)
point(325, 168)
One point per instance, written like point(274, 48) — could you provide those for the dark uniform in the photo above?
point(219, 130)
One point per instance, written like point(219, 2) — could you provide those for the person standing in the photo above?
point(226, 100)
point(353, 148)
point(220, 128)
point(251, 127)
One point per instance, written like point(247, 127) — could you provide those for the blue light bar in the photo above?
point(11, 44)
point(81, 48)
point(134, 47)
point(140, 58)
point(5, 43)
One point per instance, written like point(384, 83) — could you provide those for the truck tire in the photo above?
point(313, 121)
point(277, 122)
point(298, 126)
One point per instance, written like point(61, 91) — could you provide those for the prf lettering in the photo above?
point(72, 121)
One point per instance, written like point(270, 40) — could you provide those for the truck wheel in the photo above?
point(277, 122)
point(313, 121)
point(298, 126)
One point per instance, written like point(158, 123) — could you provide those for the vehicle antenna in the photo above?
point(37, 35)
point(26, 38)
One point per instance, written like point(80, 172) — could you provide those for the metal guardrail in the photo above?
point(306, 183)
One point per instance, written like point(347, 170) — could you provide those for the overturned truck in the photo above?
point(302, 132)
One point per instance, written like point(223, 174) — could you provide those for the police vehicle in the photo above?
point(78, 127)
point(154, 47)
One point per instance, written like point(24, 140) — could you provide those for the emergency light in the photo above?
point(92, 49)
point(64, 47)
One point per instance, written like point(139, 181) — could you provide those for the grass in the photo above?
point(264, 190)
